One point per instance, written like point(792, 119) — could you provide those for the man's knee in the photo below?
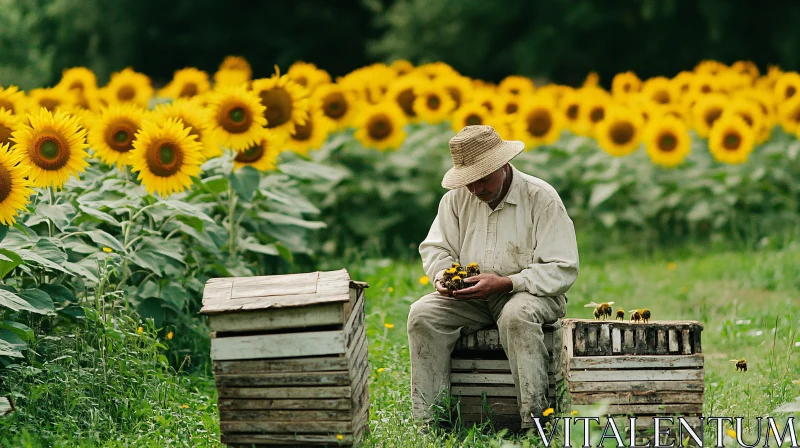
point(524, 308)
point(419, 316)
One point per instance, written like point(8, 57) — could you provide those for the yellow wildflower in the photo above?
point(424, 280)
point(671, 266)
point(185, 406)
point(339, 437)
point(169, 335)
point(381, 369)
point(107, 250)
point(731, 433)
point(390, 289)
point(390, 326)
point(574, 413)
point(139, 330)
point(548, 411)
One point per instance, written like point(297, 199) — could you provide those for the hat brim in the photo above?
point(492, 160)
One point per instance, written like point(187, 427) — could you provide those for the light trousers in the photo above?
point(436, 322)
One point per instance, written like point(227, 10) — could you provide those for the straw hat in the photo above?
point(477, 152)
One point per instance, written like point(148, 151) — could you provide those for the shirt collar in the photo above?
point(512, 196)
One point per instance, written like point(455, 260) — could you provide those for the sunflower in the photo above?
point(401, 92)
point(488, 98)
point(667, 141)
point(234, 78)
point(369, 83)
point(459, 88)
point(625, 83)
point(470, 114)
point(381, 127)
point(311, 134)
point(509, 105)
point(703, 83)
point(682, 83)
point(432, 103)
point(8, 124)
point(660, 90)
point(710, 67)
point(15, 191)
point(286, 102)
point(338, 104)
point(112, 133)
point(766, 104)
point(706, 111)
point(308, 75)
point(11, 98)
point(516, 86)
point(750, 112)
point(53, 145)
point(593, 109)
point(402, 67)
point(538, 122)
point(193, 117)
point(731, 140)
point(748, 68)
point(570, 106)
point(620, 133)
point(166, 156)
point(129, 86)
point(261, 156)
point(83, 82)
point(592, 80)
point(789, 115)
point(236, 117)
point(237, 63)
point(52, 99)
point(186, 83)
point(434, 70)
point(787, 86)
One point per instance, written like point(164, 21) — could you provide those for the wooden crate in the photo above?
point(644, 370)
point(481, 378)
point(290, 358)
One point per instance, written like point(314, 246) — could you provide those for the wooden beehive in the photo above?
point(481, 378)
point(644, 370)
point(290, 358)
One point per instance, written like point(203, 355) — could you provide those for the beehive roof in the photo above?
point(275, 291)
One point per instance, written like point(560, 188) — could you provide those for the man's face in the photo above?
point(489, 188)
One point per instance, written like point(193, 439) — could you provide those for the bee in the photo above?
point(640, 315)
point(448, 274)
point(473, 269)
point(456, 283)
point(741, 364)
point(620, 314)
point(635, 316)
point(601, 309)
point(456, 266)
point(462, 274)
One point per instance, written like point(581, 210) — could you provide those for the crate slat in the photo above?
point(279, 318)
point(651, 397)
point(310, 426)
point(636, 362)
point(282, 379)
point(228, 404)
point(492, 391)
point(311, 364)
point(635, 386)
point(636, 375)
point(286, 392)
point(285, 415)
point(285, 439)
point(282, 345)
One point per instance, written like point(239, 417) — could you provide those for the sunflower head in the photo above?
point(337, 103)
point(731, 139)
point(53, 145)
point(434, 70)
point(15, 188)
point(539, 122)
point(8, 124)
point(235, 117)
point(619, 134)
point(471, 114)
point(516, 86)
point(381, 126)
point(787, 86)
point(286, 102)
point(112, 133)
point(660, 90)
point(789, 115)
point(710, 67)
point(80, 79)
point(311, 134)
point(237, 63)
point(129, 86)
point(308, 75)
point(625, 84)
point(402, 67)
point(194, 117)
point(432, 102)
point(52, 99)
point(186, 83)
point(166, 156)
point(261, 156)
point(12, 99)
point(706, 111)
point(666, 140)
point(459, 88)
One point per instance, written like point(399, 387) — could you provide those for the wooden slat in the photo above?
point(696, 336)
point(231, 404)
point(285, 380)
point(278, 345)
point(580, 340)
point(663, 409)
point(493, 391)
point(274, 285)
point(285, 392)
point(479, 364)
point(628, 386)
point(661, 341)
point(604, 341)
point(636, 362)
point(356, 320)
point(652, 397)
point(481, 378)
point(285, 415)
point(311, 364)
point(286, 439)
point(686, 343)
point(310, 426)
point(278, 318)
point(640, 343)
point(629, 324)
point(616, 341)
point(619, 377)
point(591, 339)
point(673, 340)
point(627, 341)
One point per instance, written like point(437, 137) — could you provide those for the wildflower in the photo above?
point(169, 336)
point(390, 289)
point(339, 437)
point(731, 433)
point(107, 250)
point(684, 290)
point(185, 406)
point(548, 411)
point(139, 330)
point(390, 326)
point(671, 266)
point(573, 413)
point(381, 369)
point(424, 280)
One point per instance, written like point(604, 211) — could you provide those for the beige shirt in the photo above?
point(528, 237)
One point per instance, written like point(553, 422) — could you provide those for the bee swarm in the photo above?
point(453, 278)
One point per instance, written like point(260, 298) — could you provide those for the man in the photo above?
point(517, 229)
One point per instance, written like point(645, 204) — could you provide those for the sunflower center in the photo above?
point(301, 80)
point(514, 91)
point(790, 91)
point(705, 88)
point(597, 114)
point(712, 115)
point(302, 132)
point(5, 134)
point(120, 134)
point(5, 183)
point(379, 127)
point(279, 106)
point(76, 85)
point(235, 118)
point(49, 103)
point(456, 95)
point(731, 141)
point(747, 119)
point(661, 96)
point(49, 151)
point(539, 122)
point(189, 90)
point(335, 105)
point(572, 111)
point(473, 120)
point(164, 158)
point(488, 105)
point(512, 108)
point(7, 105)
point(626, 87)
point(126, 93)
point(433, 102)
point(405, 99)
point(250, 155)
point(622, 132)
point(667, 142)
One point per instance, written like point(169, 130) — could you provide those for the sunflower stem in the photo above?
point(50, 223)
point(231, 220)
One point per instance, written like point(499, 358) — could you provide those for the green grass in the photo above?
point(749, 304)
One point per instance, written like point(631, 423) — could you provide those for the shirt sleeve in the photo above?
point(439, 250)
point(555, 258)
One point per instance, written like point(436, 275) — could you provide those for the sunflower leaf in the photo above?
point(102, 216)
point(245, 182)
point(39, 300)
point(104, 239)
point(59, 293)
point(8, 261)
point(3, 231)
point(601, 192)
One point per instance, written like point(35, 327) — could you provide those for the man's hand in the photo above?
point(437, 283)
point(484, 285)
